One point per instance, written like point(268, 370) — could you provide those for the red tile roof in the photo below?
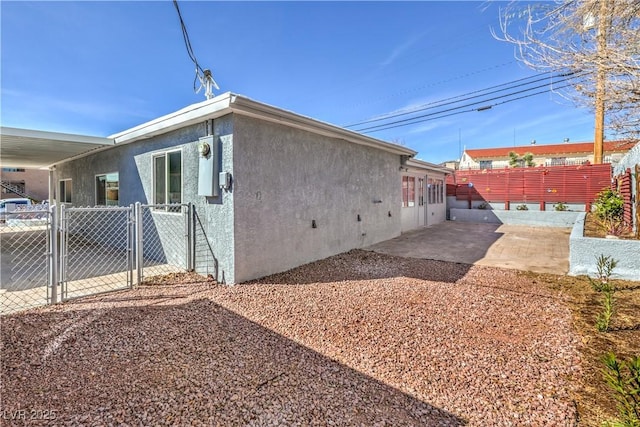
point(551, 149)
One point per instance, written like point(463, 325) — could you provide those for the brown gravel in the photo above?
point(357, 339)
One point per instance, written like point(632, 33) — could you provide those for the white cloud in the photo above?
point(399, 50)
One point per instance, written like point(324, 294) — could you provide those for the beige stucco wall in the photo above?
point(36, 183)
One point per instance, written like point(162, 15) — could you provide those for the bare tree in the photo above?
point(597, 42)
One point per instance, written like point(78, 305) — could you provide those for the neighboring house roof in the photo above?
point(232, 103)
point(550, 150)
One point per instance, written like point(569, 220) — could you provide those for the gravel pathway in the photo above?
point(357, 339)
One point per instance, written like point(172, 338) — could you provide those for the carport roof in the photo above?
point(35, 149)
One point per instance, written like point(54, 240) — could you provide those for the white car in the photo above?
point(10, 205)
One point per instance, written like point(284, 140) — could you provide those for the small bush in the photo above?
point(608, 204)
point(561, 207)
point(483, 205)
point(608, 209)
point(522, 207)
point(624, 380)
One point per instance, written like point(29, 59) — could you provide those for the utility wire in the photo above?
point(187, 43)
point(428, 117)
point(468, 96)
point(462, 106)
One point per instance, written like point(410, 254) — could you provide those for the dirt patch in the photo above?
point(592, 228)
point(594, 399)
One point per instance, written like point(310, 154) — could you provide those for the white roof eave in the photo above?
point(232, 103)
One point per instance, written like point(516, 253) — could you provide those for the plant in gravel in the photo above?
point(522, 207)
point(623, 378)
point(605, 265)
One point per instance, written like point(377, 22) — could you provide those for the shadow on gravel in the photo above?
point(359, 264)
point(186, 364)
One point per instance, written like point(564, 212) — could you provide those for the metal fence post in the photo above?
point(63, 250)
point(131, 221)
point(54, 265)
point(138, 242)
point(190, 238)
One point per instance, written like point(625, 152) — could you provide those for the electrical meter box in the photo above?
point(208, 166)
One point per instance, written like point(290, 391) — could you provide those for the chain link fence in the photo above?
point(96, 247)
point(25, 246)
point(46, 259)
point(165, 239)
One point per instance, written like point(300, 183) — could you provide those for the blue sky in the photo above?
point(98, 68)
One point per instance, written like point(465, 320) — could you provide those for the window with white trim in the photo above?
point(66, 191)
point(107, 188)
point(408, 191)
point(435, 191)
point(167, 179)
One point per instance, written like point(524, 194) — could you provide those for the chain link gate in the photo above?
point(28, 245)
point(96, 250)
point(90, 250)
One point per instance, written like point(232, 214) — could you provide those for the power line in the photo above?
point(431, 84)
point(205, 77)
point(452, 112)
point(467, 96)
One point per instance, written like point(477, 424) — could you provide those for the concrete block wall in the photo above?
point(515, 217)
point(584, 252)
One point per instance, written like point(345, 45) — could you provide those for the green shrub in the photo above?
point(608, 308)
point(522, 207)
point(609, 204)
point(561, 207)
point(605, 266)
point(608, 209)
point(624, 380)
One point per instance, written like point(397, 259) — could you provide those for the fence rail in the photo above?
point(89, 250)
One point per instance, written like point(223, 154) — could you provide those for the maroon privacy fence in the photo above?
point(624, 184)
point(551, 184)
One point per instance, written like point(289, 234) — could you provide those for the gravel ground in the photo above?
point(357, 339)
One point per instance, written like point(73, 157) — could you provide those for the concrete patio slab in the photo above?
point(537, 249)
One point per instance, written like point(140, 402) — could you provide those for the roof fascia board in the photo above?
point(231, 103)
point(248, 107)
point(417, 164)
point(187, 116)
point(55, 136)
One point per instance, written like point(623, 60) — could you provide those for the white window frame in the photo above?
point(166, 154)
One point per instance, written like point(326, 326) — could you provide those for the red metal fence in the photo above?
point(551, 184)
point(623, 184)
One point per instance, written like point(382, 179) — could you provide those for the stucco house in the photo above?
point(544, 154)
point(423, 194)
point(272, 189)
